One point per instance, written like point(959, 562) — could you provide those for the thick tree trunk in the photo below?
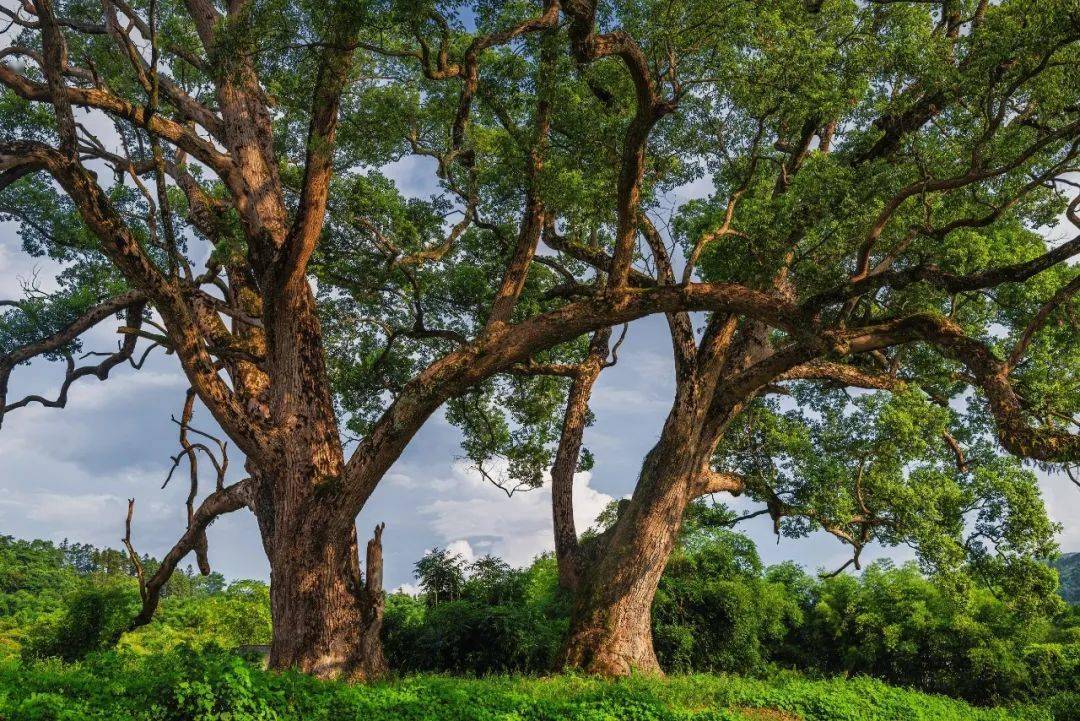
point(326, 619)
point(326, 615)
point(611, 625)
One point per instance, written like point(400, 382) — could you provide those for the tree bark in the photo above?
point(326, 615)
point(611, 624)
point(326, 618)
point(566, 459)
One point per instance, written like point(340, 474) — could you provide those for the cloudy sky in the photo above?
point(67, 473)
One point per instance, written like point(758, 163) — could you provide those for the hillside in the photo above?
point(1068, 567)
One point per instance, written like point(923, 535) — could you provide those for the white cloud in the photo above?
point(97, 517)
point(475, 518)
point(1063, 505)
point(410, 589)
point(407, 481)
point(461, 548)
point(638, 401)
point(56, 507)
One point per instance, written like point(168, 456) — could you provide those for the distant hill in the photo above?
point(1068, 567)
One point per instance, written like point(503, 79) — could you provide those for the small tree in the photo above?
point(441, 575)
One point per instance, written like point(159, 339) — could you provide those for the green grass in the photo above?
point(216, 686)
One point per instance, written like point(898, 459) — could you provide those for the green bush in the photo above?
point(900, 626)
point(714, 611)
point(501, 620)
point(92, 620)
point(236, 615)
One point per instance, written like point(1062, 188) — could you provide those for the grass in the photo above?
point(216, 686)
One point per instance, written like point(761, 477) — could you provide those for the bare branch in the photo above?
point(225, 500)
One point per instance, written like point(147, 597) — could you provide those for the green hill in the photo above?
point(1068, 567)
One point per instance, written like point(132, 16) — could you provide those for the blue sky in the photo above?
point(68, 473)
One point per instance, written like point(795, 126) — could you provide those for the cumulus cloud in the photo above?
point(474, 518)
point(79, 516)
point(1061, 498)
point(409, 589)
point(461, 548)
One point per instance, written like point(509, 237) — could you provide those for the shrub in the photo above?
point(93, 619)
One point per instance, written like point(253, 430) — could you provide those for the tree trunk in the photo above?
point(326, 616)
point(326, 619)
point(611, 624)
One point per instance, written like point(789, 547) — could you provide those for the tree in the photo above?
point(890, 169)
point(440, 573)
point(244, 139)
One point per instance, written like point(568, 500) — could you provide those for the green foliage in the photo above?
point(38, 580)
point(215, 685)
point(92, 620)
point(897, 625)
point(441, 575)
point(69, 600)
point(875, 466)
point(236, 615)
point(498, 620)
point(717, 609)
point(714, 611)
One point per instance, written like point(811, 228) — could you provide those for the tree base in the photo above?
point(612, 650)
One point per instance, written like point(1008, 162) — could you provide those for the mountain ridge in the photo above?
point(1068, 568)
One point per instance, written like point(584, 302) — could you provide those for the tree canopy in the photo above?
point(886, 185)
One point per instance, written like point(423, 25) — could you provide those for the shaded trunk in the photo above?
point(619, 572)
point(568, 455)
point(611, 624)
point(326, 617)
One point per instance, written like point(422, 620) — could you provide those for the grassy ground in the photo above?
point(219, 687)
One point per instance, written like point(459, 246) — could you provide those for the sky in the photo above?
point(67, 473)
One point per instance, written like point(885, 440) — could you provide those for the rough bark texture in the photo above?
point(326, 619)
point(611, 625)
point(566, 459)
point(611, 628)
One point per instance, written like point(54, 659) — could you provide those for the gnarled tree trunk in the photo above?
point(611, 625)
point(326, 617)
point(618, 573)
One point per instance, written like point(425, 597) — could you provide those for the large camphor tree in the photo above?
point(900, 173)
point(237, 165)
point(878, 170)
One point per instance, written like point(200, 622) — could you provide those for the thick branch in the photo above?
point(131, 259)
point(567, 458)
point(500, 349)
point(311, 213)
point(952, 283)
point(711, 481)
